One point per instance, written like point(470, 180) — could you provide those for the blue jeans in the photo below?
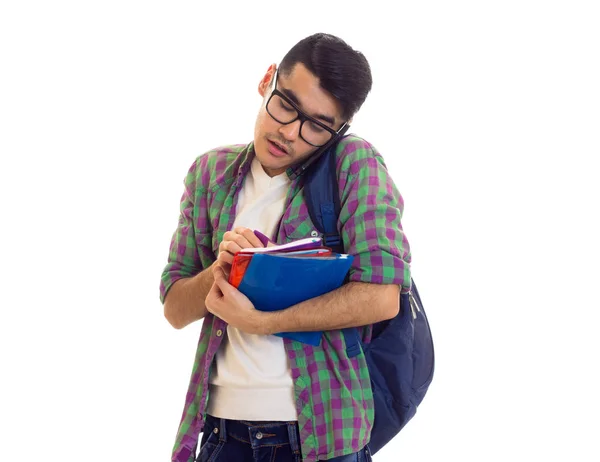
point(240, 441)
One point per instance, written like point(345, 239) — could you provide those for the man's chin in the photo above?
point(271, 164)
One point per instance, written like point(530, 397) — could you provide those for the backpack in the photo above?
point(400, 356)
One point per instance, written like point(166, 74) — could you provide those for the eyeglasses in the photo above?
point(284, 111)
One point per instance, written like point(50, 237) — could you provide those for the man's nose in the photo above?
point(291, 131)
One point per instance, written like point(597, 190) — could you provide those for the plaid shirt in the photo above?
point(333, 392)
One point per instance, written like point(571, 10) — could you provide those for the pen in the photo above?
point(263, 239)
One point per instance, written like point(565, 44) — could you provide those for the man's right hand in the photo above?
point(185, 302)
point(234, 241)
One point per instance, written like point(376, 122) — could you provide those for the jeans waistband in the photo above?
point(257, 434)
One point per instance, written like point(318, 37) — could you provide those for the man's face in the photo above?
point(280, 146)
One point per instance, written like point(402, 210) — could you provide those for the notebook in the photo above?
point(277, 277)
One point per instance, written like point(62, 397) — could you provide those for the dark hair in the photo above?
point(342, 71)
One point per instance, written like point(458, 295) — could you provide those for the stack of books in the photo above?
point(280, 276)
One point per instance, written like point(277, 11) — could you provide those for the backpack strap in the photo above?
point(323, 199)
point(321, 192)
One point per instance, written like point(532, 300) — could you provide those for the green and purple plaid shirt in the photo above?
point(333, 393)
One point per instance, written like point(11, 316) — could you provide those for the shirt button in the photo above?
point(314, 234)
point(216, 430)
point(259, 436)
point(219, 333)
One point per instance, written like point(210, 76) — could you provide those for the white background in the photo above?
point(487, 114)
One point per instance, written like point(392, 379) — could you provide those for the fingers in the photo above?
point(249, 236)
point(221, 284)
point(213, 296)
point(227, 250)
point(223, 266)
point(221, 281)
point(227, 292)
point(242, 238)
point(234, 241)
point(218, 274)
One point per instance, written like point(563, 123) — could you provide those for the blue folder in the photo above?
point(274, 282)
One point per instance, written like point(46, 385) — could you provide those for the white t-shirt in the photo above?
point(251, 378)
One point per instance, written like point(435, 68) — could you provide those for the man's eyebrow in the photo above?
point(291, 95)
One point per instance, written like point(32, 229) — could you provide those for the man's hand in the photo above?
point(233, 307)
point(234, 241)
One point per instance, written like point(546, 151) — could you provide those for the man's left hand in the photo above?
point(233, 307)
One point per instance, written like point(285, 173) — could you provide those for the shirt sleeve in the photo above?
point(184, 260)
point(370, 218)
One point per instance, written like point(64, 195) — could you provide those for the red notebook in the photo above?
point(303, 248)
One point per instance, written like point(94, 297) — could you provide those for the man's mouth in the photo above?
point(276, 148)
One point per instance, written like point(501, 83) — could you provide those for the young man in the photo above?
point(253, 395)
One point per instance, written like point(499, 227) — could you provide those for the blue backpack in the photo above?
point(400, 355)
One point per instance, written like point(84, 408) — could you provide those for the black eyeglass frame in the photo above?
point(303, 117)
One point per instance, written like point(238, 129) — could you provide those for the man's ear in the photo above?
point(266, 80)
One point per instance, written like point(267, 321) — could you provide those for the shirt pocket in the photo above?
point(300, 227)
point(206, 246)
